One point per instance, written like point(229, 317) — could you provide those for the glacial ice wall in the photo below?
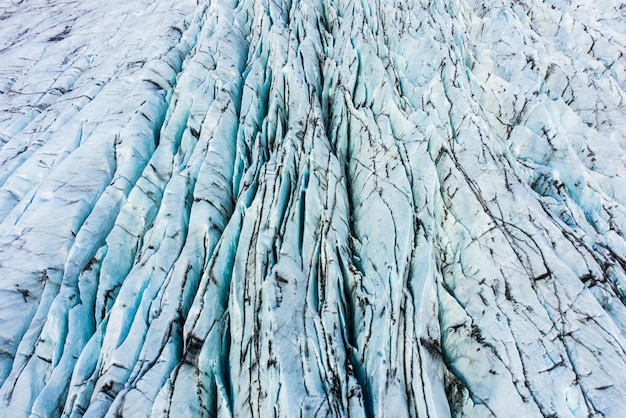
point(312, 208)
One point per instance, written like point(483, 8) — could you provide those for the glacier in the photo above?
point(313, 208)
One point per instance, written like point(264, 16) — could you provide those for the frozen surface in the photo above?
point(312, 208)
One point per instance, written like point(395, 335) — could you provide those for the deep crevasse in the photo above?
point(316, 208)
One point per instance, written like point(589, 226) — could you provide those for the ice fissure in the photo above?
point(312, 208)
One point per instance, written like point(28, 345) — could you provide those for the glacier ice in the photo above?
point(313, 208)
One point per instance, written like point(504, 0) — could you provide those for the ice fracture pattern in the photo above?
point(343, 208)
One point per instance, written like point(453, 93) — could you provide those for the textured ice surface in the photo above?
point(312, 208)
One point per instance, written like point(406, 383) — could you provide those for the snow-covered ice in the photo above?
point(313, 208)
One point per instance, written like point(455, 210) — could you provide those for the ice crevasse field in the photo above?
point(314, 208)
